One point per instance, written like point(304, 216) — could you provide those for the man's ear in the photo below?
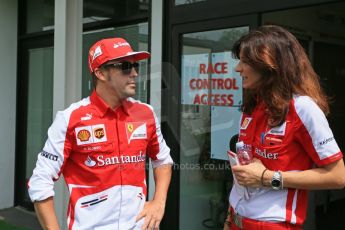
point(100, 74)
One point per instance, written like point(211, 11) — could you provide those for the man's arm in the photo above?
point(154, 210)
point(48, 169)
point(46, 214)
point(162, 177)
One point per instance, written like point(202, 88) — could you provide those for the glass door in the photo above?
point(39, 103)
point(210, 100)
point(35, 111)
point(208, 97)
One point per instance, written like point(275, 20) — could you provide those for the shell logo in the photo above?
point(99, 133)
point(84, 135)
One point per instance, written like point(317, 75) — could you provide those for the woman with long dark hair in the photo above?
point(284, 125)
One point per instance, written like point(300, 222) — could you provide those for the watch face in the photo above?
point(276, 183)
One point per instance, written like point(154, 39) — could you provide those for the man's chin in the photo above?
point(131, 93)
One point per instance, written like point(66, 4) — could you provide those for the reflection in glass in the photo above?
point(211, 93)
point(182, 2)
point(40, 103)
point(100, 10)
point(137, 36)
point(40, 15)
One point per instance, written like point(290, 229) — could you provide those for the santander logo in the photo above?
point(89, 162)
point(114, 160)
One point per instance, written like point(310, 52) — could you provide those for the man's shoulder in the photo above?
point(138, 109)
point(64, 117)
point(133, 103)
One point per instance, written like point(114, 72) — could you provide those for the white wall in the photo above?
point(8, 76)
point(67, 76)
point(156, 69)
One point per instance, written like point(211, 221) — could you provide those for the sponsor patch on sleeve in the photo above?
point(246, 122)
point(326, 141)
point(49, 156)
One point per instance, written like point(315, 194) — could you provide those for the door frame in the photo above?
point(171, 97)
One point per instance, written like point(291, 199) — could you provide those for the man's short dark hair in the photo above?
point(94, 80)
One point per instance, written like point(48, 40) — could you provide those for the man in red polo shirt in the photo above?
point(99, 145)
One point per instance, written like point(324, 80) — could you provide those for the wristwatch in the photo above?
point(277, 180)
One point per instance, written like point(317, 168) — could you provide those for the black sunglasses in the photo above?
point(125, 66)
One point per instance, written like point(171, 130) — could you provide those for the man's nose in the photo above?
point(134, 73)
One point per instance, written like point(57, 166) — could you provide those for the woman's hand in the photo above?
point(249, 175)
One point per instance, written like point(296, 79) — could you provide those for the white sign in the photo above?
point(190, 72)
point(224, 125)
point(210, 79)
point(225, 119)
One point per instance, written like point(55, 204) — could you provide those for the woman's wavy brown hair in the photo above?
point(285, 70)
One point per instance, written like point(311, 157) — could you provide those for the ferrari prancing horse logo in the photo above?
point(130, 127)
point(135, 130)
